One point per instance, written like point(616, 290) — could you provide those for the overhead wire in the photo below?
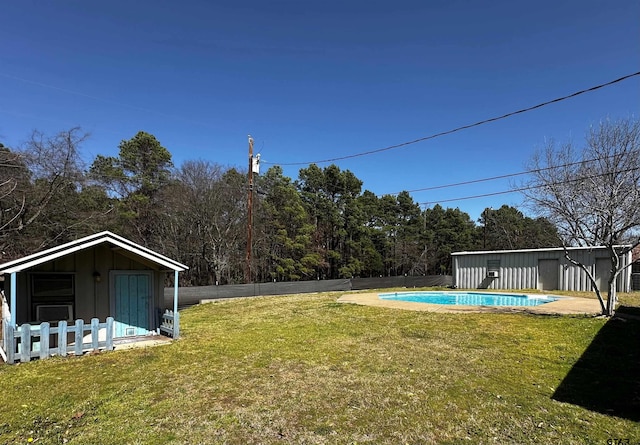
point(443, 133)
point(221, 184)
point(504, 176)
point(523, 189)
point(507, 175)
point(463, 127)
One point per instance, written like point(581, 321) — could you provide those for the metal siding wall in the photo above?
point(456, 271)
point(476, 273)
point(624, 279)
point(519, 270)
point(467, 273)
point(525, 281)
point(516, 270)
point(626, 275)
point(525, 273)
point(570, 276)
point(588, 259)
point(494, 283)
point(465, 270)
point(506, 270)
point(566, 270)
point(480, 268)
point(531, 281)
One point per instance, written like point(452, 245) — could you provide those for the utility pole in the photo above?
point(247, 274)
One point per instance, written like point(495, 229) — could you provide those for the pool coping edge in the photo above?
point(562, 306)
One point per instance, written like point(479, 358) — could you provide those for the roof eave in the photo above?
point(85, 243)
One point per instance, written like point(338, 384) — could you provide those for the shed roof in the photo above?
point(545, 249)
point(85, 243)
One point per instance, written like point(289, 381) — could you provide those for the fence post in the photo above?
point(176, 325)
point(62, 338)
point(26, 332)
point(94, 334)
point(44, 339)
point(79, 334)
point(25, 342)
point(10, 342)
point(109, 345)
point(5, 336)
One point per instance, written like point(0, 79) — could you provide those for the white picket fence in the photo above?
point(28, 341)
point(170, 324)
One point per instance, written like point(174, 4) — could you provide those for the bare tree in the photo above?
point(14, 179)
point(204, 222)
point(56, 172)
point(593, 195)
point(42, 198)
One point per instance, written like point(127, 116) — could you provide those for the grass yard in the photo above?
point(304, 369)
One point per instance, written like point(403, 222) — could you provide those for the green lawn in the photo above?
point(306, 370)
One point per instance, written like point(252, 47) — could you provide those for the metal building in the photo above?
point(543, 269)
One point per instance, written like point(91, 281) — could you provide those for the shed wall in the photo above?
point(519, 270)
point(92, 297)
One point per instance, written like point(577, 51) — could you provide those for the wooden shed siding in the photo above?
point(85, 285)
point(103, 263)
point(519, 270)
point(23, 310)
point(91, 297)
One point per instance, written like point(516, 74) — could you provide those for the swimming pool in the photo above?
point(469, 298)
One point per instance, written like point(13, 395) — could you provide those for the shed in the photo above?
point(542, 269)
point(635, 269)
point(99, 276)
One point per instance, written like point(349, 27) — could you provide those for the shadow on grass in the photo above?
point(628, 310)
point(606, 378)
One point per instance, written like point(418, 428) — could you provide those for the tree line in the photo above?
point(321, 225)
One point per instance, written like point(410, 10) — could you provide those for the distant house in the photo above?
point(99, 276)
point(542, 269)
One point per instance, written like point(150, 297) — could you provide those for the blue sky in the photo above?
point(320, 80)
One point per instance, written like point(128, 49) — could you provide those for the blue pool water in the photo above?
point(469, 298)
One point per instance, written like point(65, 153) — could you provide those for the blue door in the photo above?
point(132, 299)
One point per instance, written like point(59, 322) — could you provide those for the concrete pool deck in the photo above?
point(564, 306)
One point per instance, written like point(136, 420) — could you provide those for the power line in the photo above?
point(464, 127)
point(508, 175)
point(473, 181)
point(219, 183)
point(504, 176)
point(524, 189)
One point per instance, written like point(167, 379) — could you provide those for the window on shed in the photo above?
point(52, 296)
point(52, 285)
point(493, 265)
